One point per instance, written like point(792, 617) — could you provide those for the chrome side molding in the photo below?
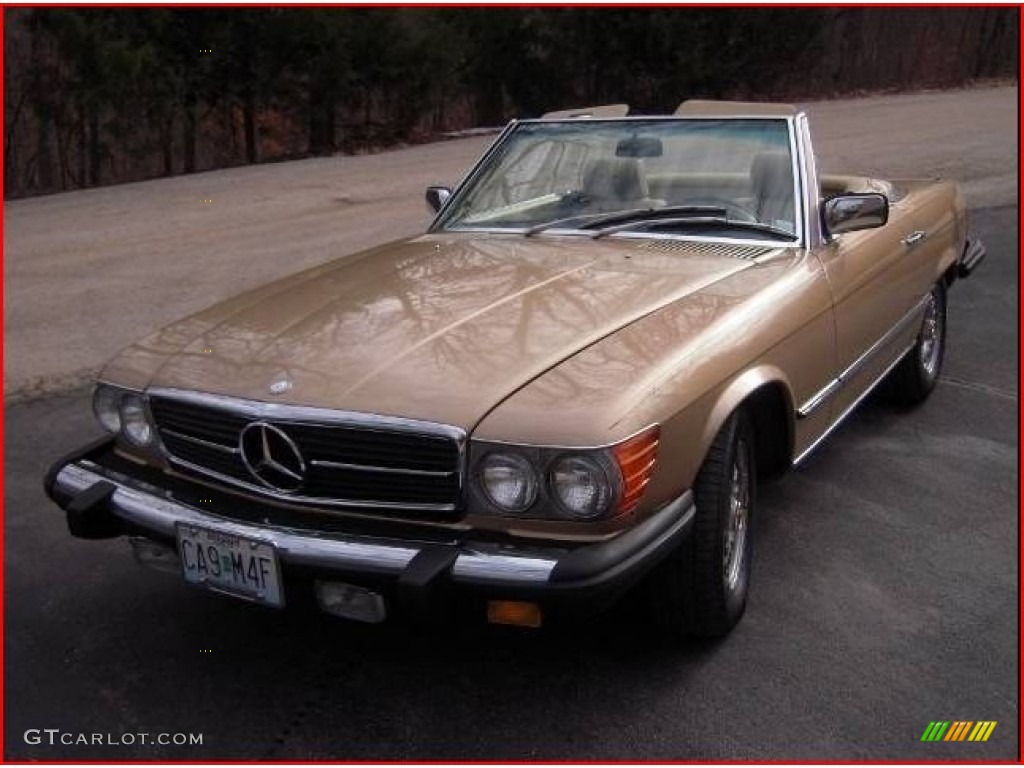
point(850, 409)
point(833, 387)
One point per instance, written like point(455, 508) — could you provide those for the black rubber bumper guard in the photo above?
point(101, 502)
point(974, 253)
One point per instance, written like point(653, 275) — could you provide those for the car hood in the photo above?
point(439, 328)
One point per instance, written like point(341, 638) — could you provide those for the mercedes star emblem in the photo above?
point(280, 386)
point(272, 457)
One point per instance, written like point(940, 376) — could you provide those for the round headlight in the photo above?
point(106, 404)
point(582, 486)
point(509, 481)
point(135, 425)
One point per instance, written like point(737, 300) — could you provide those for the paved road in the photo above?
point(885, 596)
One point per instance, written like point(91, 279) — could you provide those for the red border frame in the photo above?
point(460, 4)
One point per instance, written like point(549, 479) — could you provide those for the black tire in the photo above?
point(916, 375)
point(694, 591)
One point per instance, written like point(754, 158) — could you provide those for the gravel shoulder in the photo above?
point(86, 273)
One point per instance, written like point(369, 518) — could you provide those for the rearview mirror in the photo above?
point(639, 146)
point(437, 197)
point(853, 212)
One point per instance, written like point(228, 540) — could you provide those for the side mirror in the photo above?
point(853, 212)
point(437, 197)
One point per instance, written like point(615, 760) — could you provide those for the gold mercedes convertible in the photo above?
point(564, 392)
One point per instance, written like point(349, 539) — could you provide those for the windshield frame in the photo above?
point(797, 161)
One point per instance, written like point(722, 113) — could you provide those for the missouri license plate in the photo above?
point(226, 562)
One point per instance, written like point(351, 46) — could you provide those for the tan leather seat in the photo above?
point(771, 179)
point(616, 183)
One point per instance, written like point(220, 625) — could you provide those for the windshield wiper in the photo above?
point(715, 221)
point(632, 215)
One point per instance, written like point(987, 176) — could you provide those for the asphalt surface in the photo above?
point(885, 596)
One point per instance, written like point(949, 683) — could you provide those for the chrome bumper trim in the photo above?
point(495, 569)
point(159, 514)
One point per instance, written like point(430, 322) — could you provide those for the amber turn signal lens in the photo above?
point(513, 612)
point(636, 458)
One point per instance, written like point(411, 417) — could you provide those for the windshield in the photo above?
point(731, 178)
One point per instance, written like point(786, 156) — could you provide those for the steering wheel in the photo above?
point(573, 198)
point(731, 206)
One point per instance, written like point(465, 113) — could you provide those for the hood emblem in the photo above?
point(280, 386)
point(272, 457)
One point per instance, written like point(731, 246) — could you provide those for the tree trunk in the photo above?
point(439, 121)
point(83, 145)
point(189, 133)
point(321, 122)
point(62, 157)
point(44, 165)
point(167, 145)
point(330, 127)
point(10, 142)
point(367, 117)
point(252, 130)
point(490, 102)
point(95, 148)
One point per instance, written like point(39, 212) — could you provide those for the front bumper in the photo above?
point(103, 501)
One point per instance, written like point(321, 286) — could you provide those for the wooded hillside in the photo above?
point(99, 96)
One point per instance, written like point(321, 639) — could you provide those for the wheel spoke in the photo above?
point(734, 547)
point(931, 337)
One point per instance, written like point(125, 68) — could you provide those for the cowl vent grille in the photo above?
point(727, 250)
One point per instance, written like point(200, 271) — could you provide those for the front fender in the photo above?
point(740, 389)
point(687, 435)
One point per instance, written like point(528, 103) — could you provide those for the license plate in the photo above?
point(226, 562)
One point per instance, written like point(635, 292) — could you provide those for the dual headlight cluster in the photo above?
point(567, 484)
point(124, 412)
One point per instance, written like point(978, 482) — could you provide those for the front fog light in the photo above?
point(350, 602)
point(135, 424)
point(106, 404)
point(509, 481)
point(582, 487)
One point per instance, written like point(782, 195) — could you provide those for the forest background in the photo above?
point(103, 96)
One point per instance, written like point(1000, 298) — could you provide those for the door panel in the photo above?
point(876, 279)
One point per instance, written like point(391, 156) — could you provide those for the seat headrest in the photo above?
point(614, 178)
point(770, 169)
point(771, 181)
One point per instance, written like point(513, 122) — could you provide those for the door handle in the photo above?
point(914, 238)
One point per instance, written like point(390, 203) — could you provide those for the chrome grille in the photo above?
point(351, 460)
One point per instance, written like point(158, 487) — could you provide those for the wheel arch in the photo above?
point(766, 395)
